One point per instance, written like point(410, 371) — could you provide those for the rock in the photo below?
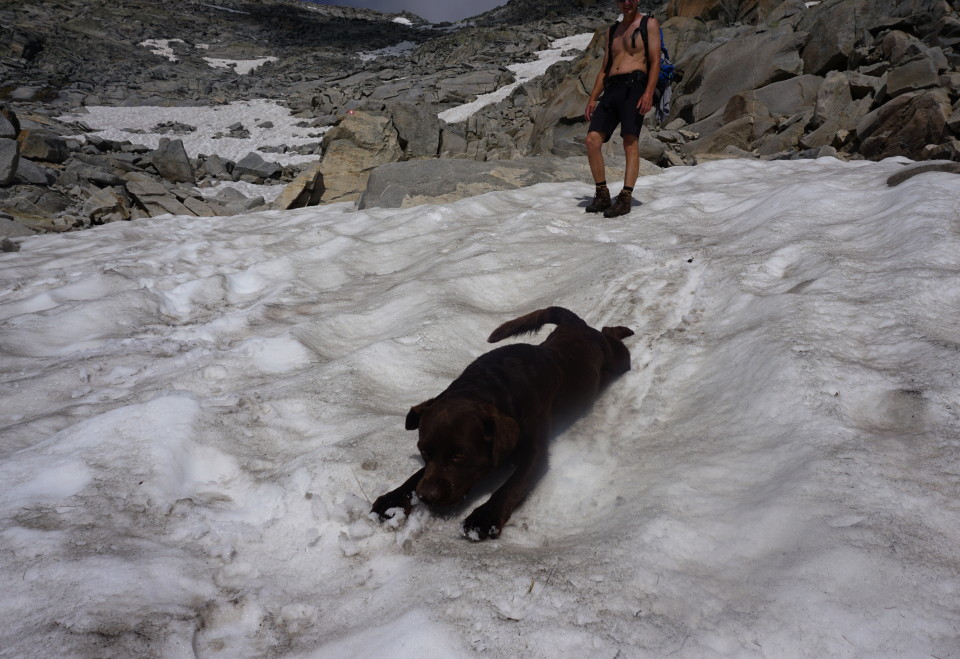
point(949, 150)
point(10, 228)
point(33, 173)
point(244, 206)
point(305, 190)
point(415, 182)
point(835, 30)
point(464, 88)
point(787, 139)
point(862, 85)
point(749, 61)
point(156, 206)
point(51, 202)
point(254, 166)
point(738, 133)
point(80, 171)
point(352, 149)
point(216, 167)
point(900, 177)
point(748, 105)
point(152, 197)
point(106, 203)
point(140, 185)
point(913, 76)
point(200, 207)
point(7, 129)
point(835, 112)
point(9, 160)
point(228, 195)
point(43, 145)
point(171, 161)
point(953, 122)
point(789, 97)
point(23, 94)
point(905, 125)
point(418, 130)
point(559, 126)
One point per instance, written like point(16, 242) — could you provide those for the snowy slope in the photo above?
point(196, 414)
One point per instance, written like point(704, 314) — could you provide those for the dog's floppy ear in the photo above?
point(502, 431)
point(413, 416)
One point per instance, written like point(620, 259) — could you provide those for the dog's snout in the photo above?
point(434, 491)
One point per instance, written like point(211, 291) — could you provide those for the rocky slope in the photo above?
point(852, 78)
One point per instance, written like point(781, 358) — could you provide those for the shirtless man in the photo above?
point(627, 95)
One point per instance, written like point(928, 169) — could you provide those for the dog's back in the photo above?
point(589, 359)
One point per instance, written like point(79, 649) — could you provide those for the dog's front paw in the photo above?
point(481, 524)
point(386, 506)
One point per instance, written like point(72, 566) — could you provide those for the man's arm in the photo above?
point(653, 65)
point(598, 83)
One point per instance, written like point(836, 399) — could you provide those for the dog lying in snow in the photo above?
point(503, 408)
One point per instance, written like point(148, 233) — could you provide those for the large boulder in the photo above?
point(171, 161)
point(153, 197)
point(415, 182)
point(558, 123)
point(255, 168)
point(106, 205)
point(706, 10)
point(738, 133)
point(305, 190)
point(835, 113)
point(352, 149)
point(915, 75)
point(33, 173)
point(418, 130)
point(905, 125)
point(769, 107)
point(748, 61)
point(42, 144)
point(466, 87)
point(836, 28)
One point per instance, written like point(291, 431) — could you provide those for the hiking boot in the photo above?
point(621, 206)
point(601, 200)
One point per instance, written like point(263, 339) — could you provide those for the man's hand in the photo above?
point(646, 103)
point(588, 113)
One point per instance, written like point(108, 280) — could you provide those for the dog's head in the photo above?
point(461, 440)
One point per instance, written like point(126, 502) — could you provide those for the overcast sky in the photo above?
point(432, 10)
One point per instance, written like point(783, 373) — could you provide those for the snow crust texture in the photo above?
point(197, 413)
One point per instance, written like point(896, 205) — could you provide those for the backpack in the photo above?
point(668, 71)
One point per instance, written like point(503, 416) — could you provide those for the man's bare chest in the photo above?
point(627, 41)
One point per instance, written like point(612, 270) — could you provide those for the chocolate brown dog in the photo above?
point(504, 407)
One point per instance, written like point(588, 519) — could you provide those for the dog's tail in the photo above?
point(534, 321)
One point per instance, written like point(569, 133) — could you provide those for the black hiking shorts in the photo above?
point(618, 105)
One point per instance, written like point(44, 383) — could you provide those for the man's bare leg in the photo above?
point(631, 149)
point(601, 199)
point(594, 144)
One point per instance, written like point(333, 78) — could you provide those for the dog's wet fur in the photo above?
point(503, 409)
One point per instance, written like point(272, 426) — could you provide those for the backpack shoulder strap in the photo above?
point(643, 33)
point(613, 28)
